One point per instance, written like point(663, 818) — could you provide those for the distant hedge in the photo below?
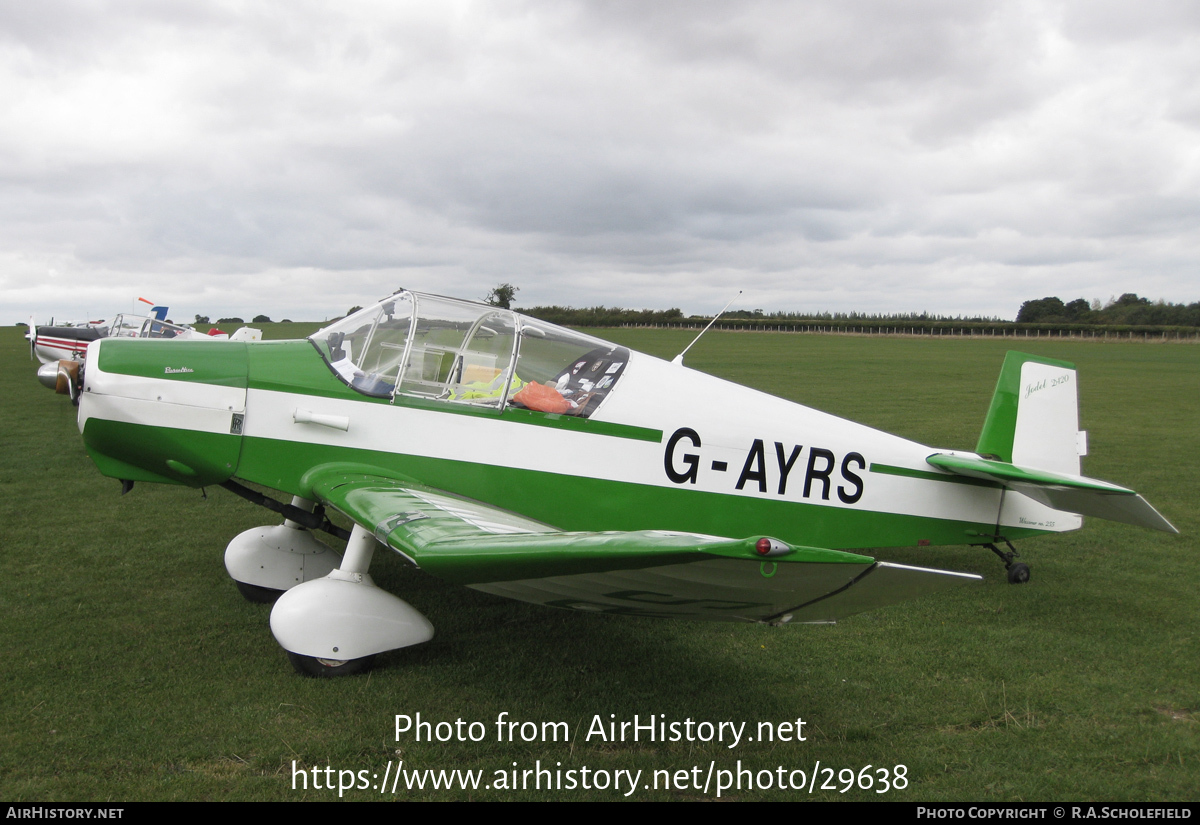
point(935, 328)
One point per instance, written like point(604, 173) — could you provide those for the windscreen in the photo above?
point(576, 370)
point(366, 349)
point(427, 346)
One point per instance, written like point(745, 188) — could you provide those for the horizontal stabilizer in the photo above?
point(1061, 491)
point(644, 572)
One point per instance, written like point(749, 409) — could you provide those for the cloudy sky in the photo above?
point(296, 158)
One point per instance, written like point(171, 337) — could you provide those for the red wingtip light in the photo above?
point(771, 547)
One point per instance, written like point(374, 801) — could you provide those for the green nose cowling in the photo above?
point(147, 416)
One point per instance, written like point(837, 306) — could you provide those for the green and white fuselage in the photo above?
point(636, 469)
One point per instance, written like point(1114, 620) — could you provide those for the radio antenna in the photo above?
point(678, 359)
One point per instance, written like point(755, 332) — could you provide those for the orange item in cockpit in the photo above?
point(535, 396)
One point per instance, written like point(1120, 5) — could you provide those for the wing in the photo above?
point(647, 572)
point(1060, 491)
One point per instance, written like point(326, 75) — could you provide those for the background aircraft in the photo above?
point(61, 348)
point(69, 342)
point(530, 461)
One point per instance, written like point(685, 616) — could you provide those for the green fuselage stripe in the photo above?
point(160, 454)
point(581, 503)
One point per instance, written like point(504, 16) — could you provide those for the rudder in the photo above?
point(1033, 420)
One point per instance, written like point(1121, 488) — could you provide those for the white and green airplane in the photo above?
point(534, 462)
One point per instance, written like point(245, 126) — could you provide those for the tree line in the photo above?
point(1125, 311)
point(1128, 310)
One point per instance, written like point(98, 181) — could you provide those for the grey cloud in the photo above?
point(935, 155)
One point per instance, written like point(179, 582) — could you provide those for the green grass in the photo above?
point(136, 672)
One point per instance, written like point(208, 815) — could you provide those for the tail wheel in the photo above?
point(1018, 573)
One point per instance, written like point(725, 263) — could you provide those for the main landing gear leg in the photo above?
point(266, 561)
point(334, 626)
point(1018, 572)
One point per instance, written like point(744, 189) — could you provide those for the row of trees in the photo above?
point(1129, 309)
point(258, 319)
point(603, 316)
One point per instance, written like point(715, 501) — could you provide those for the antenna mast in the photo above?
point(678, 359)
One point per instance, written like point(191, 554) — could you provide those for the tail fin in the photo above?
point(1031, 443)
point(1034, 417)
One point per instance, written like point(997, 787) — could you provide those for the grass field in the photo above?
point(136, 671)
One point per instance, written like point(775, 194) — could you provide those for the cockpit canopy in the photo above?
point(412, 345)
point(141, 326)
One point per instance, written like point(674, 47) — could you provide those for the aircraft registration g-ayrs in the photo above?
point(531, 461)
